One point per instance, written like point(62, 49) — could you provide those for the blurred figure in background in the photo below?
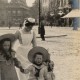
point(10, 25)
point(20, 26)
point(42, 30)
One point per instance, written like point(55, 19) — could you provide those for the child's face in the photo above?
point(6, 45)
point(38, 59)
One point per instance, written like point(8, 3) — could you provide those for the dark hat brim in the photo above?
point(8, 36)
point(29, 23)
point(37, 49)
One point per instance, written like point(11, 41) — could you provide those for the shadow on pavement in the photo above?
point(53, 36)
point(7, 29)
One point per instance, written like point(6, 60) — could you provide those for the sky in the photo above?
point(29, 2)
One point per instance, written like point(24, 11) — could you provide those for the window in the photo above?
point(9, 12)
point(14, 12)
point(19, 12)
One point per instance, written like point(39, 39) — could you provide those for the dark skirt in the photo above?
point(7, 71)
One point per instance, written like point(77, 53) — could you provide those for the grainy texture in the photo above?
point(63, 45)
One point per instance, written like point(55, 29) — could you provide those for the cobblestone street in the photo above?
point(63, 45)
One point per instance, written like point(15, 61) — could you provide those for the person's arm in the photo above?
point(27, 70)
point(15, 60)
point(45, 73)
point(17, 63)
point(34, 40)
point(18, 36)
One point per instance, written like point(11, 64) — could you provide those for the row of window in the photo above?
point(15, 12)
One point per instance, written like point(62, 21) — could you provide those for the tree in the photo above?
point(34, 10)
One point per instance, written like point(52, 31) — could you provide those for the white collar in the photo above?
point(39, 67)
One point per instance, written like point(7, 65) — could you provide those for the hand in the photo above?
point(21, 69)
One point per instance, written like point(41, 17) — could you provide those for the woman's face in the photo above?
point(29, 28)
point(6, 45)
point(38, 59)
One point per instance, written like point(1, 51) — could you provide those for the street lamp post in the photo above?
point(39, 16)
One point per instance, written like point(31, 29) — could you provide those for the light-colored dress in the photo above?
point(31, 70)
point(23, 49)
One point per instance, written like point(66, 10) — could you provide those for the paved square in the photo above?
point(63, 45)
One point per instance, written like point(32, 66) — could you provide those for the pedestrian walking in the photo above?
point(26, 39)
point(8, 61)
point(37, 70)
point(20, 26)
point(10, 25)
point(51, 24)
point(42, 30)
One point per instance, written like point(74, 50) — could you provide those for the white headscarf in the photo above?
point(28, 20)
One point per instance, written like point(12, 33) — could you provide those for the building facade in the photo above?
point(12, 13)
point(3, 1)
point(3, 12)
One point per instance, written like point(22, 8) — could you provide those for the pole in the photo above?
point(39, 16)
point(75, 5)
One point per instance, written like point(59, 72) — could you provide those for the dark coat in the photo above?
point(7, 69)
point(42, 29)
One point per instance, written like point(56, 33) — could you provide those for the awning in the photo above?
point(73, 13)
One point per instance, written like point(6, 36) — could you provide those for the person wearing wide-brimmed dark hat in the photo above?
point(26, 39)
point(8, 61)
point(37, 70)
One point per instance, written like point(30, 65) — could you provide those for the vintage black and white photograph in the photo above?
point(39, 39)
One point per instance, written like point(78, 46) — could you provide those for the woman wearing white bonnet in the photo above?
point(26, 39)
